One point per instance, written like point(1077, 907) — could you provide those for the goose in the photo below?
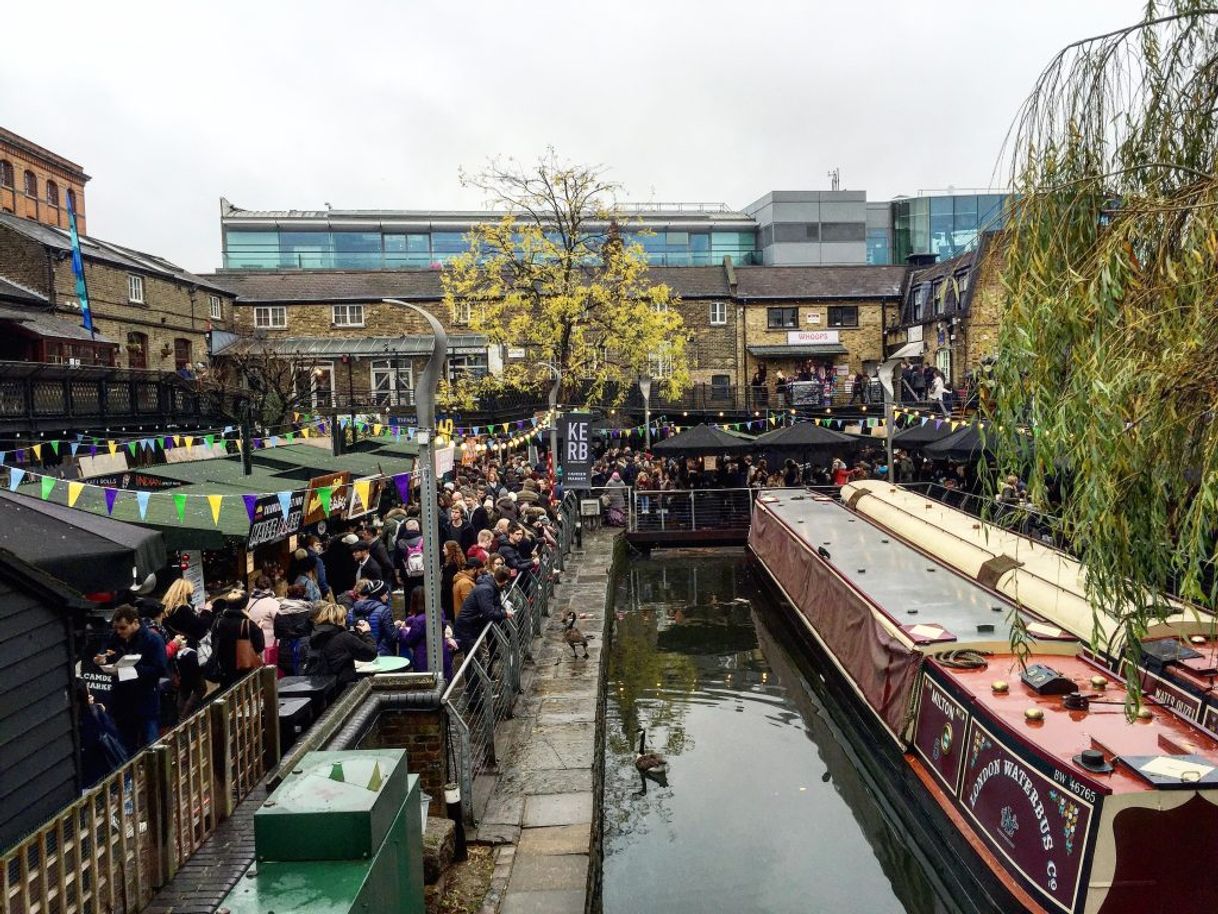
point(649, 762)
point(573, 635)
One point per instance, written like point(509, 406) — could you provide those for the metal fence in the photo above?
point(124, 838)
point(483, 690)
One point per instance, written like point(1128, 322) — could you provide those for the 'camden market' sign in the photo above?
point(276, 518)
point(576, 462)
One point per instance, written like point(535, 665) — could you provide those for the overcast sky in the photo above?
point(376, 104)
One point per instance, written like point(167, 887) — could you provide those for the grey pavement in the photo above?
point(542, 801)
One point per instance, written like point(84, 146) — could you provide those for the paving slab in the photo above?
point(550, 780)
point(566, 901)
point(503, 809)
point(548, 872)
point(558, 809)
point(556, 839)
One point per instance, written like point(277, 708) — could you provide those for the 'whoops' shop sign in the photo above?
point(276, 517)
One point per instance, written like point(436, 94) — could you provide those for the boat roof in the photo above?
point(918, 594)
point(1038, 576)
point(1164, 742)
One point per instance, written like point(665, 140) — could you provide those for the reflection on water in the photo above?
point(762, 809)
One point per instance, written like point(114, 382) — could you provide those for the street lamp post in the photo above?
point(554, 429)
point(645, 390)
point(884, 373)
point(425, 399)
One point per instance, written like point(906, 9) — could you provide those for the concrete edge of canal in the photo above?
point(545, 810)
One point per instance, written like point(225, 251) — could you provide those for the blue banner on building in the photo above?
point(78, 268)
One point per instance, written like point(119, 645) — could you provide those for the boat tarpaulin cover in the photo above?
point(882, 665)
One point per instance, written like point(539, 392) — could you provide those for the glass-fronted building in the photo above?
point(366, 240)
point(942, 224)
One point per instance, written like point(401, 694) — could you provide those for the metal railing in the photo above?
point(1024, 519)
point(483, 690)
point(125, 837)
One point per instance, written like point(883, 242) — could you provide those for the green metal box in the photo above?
point(333, 806)
point(388, 880)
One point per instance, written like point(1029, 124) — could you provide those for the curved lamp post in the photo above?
point(425, 409)
point(645, 390)
point(554, 428)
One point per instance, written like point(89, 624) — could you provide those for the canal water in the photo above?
point(762, 808)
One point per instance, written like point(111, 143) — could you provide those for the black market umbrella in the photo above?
point(962, 444)
point(88, 552)
point(703, 439)
point(804, 436)
point(919, 436)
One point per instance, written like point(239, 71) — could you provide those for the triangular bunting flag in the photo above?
point(190, 442)
point(363, 491)
point(112, 445)
point(37, 451)
point(376, 430)
point(215, 501)
point(74, 490)
point(326, 494)
point(55, 447)
point(141, 499)
point(209, 440)
point(179, 502)
point(131, 446)
point(251, 502)
point(285, 504)
point(111, 495)
point(304, 432)
point(290, 436)
point(15, 478)
point(73, 447)
point(48, 483)
point(402, 481)
point(177, 440)
point(166, 442)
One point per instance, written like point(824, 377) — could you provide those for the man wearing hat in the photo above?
point(377, 551)
point(366, 567)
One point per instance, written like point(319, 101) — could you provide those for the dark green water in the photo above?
point(763, 808)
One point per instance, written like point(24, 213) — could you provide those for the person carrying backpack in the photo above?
point(373, 608)
point(408, 558)
point(333, 650)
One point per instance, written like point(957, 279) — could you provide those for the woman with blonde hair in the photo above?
point(190, 647)
point(333, 650)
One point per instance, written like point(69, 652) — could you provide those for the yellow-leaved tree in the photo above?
point(556, 277)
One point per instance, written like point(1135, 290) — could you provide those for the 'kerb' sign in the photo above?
point(576, 451)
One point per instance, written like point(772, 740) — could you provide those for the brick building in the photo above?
point(147, 312)
point(332, 324)
point(822, 317)
point(954, 309)
point(35, 183)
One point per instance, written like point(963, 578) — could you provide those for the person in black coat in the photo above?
point(456, 529)
point(101, 748)
point(333, 650)
point(483, 606)
point(378, 553)
point(515, 553)
point(232, 625)
point(366, 567)
point(135, 702)
point(340, 566)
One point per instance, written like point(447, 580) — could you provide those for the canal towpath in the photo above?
point(540, 807)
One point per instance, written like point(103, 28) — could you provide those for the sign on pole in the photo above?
point(577, 451)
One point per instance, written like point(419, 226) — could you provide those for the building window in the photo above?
point(471, 365)
point(962, 280)
point(72, 200)
point(271, 318)
point(181, 353)
point(462, 312)
point(31, 184)
point(215, 307)
point(938, 291)
point(844, 316)
point(6, 173)
point(660, 365)
point(53, 194)
point(782, 318)
point(718, 313)
point(135, 289)
point(919, 301)
point(721, 386)
point(348, 316)
point(392, 382)
point(137, 350)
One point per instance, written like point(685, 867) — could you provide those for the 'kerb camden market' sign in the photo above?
point(576, 451)
point(269, 524)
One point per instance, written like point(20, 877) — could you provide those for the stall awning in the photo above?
point(87, 552)
point(46, 324)
point(797, 352)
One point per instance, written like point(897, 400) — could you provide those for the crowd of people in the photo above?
point(352, 597)
point(915, 382)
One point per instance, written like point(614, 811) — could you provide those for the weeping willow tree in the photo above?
point(1109, 344)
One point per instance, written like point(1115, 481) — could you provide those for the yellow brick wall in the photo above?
point(863, 343)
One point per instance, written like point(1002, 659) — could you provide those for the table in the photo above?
point(381, 665)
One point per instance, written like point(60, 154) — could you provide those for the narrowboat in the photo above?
point(1179, 653)
point(1026, 768)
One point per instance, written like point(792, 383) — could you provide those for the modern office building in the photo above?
point(781, 228)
